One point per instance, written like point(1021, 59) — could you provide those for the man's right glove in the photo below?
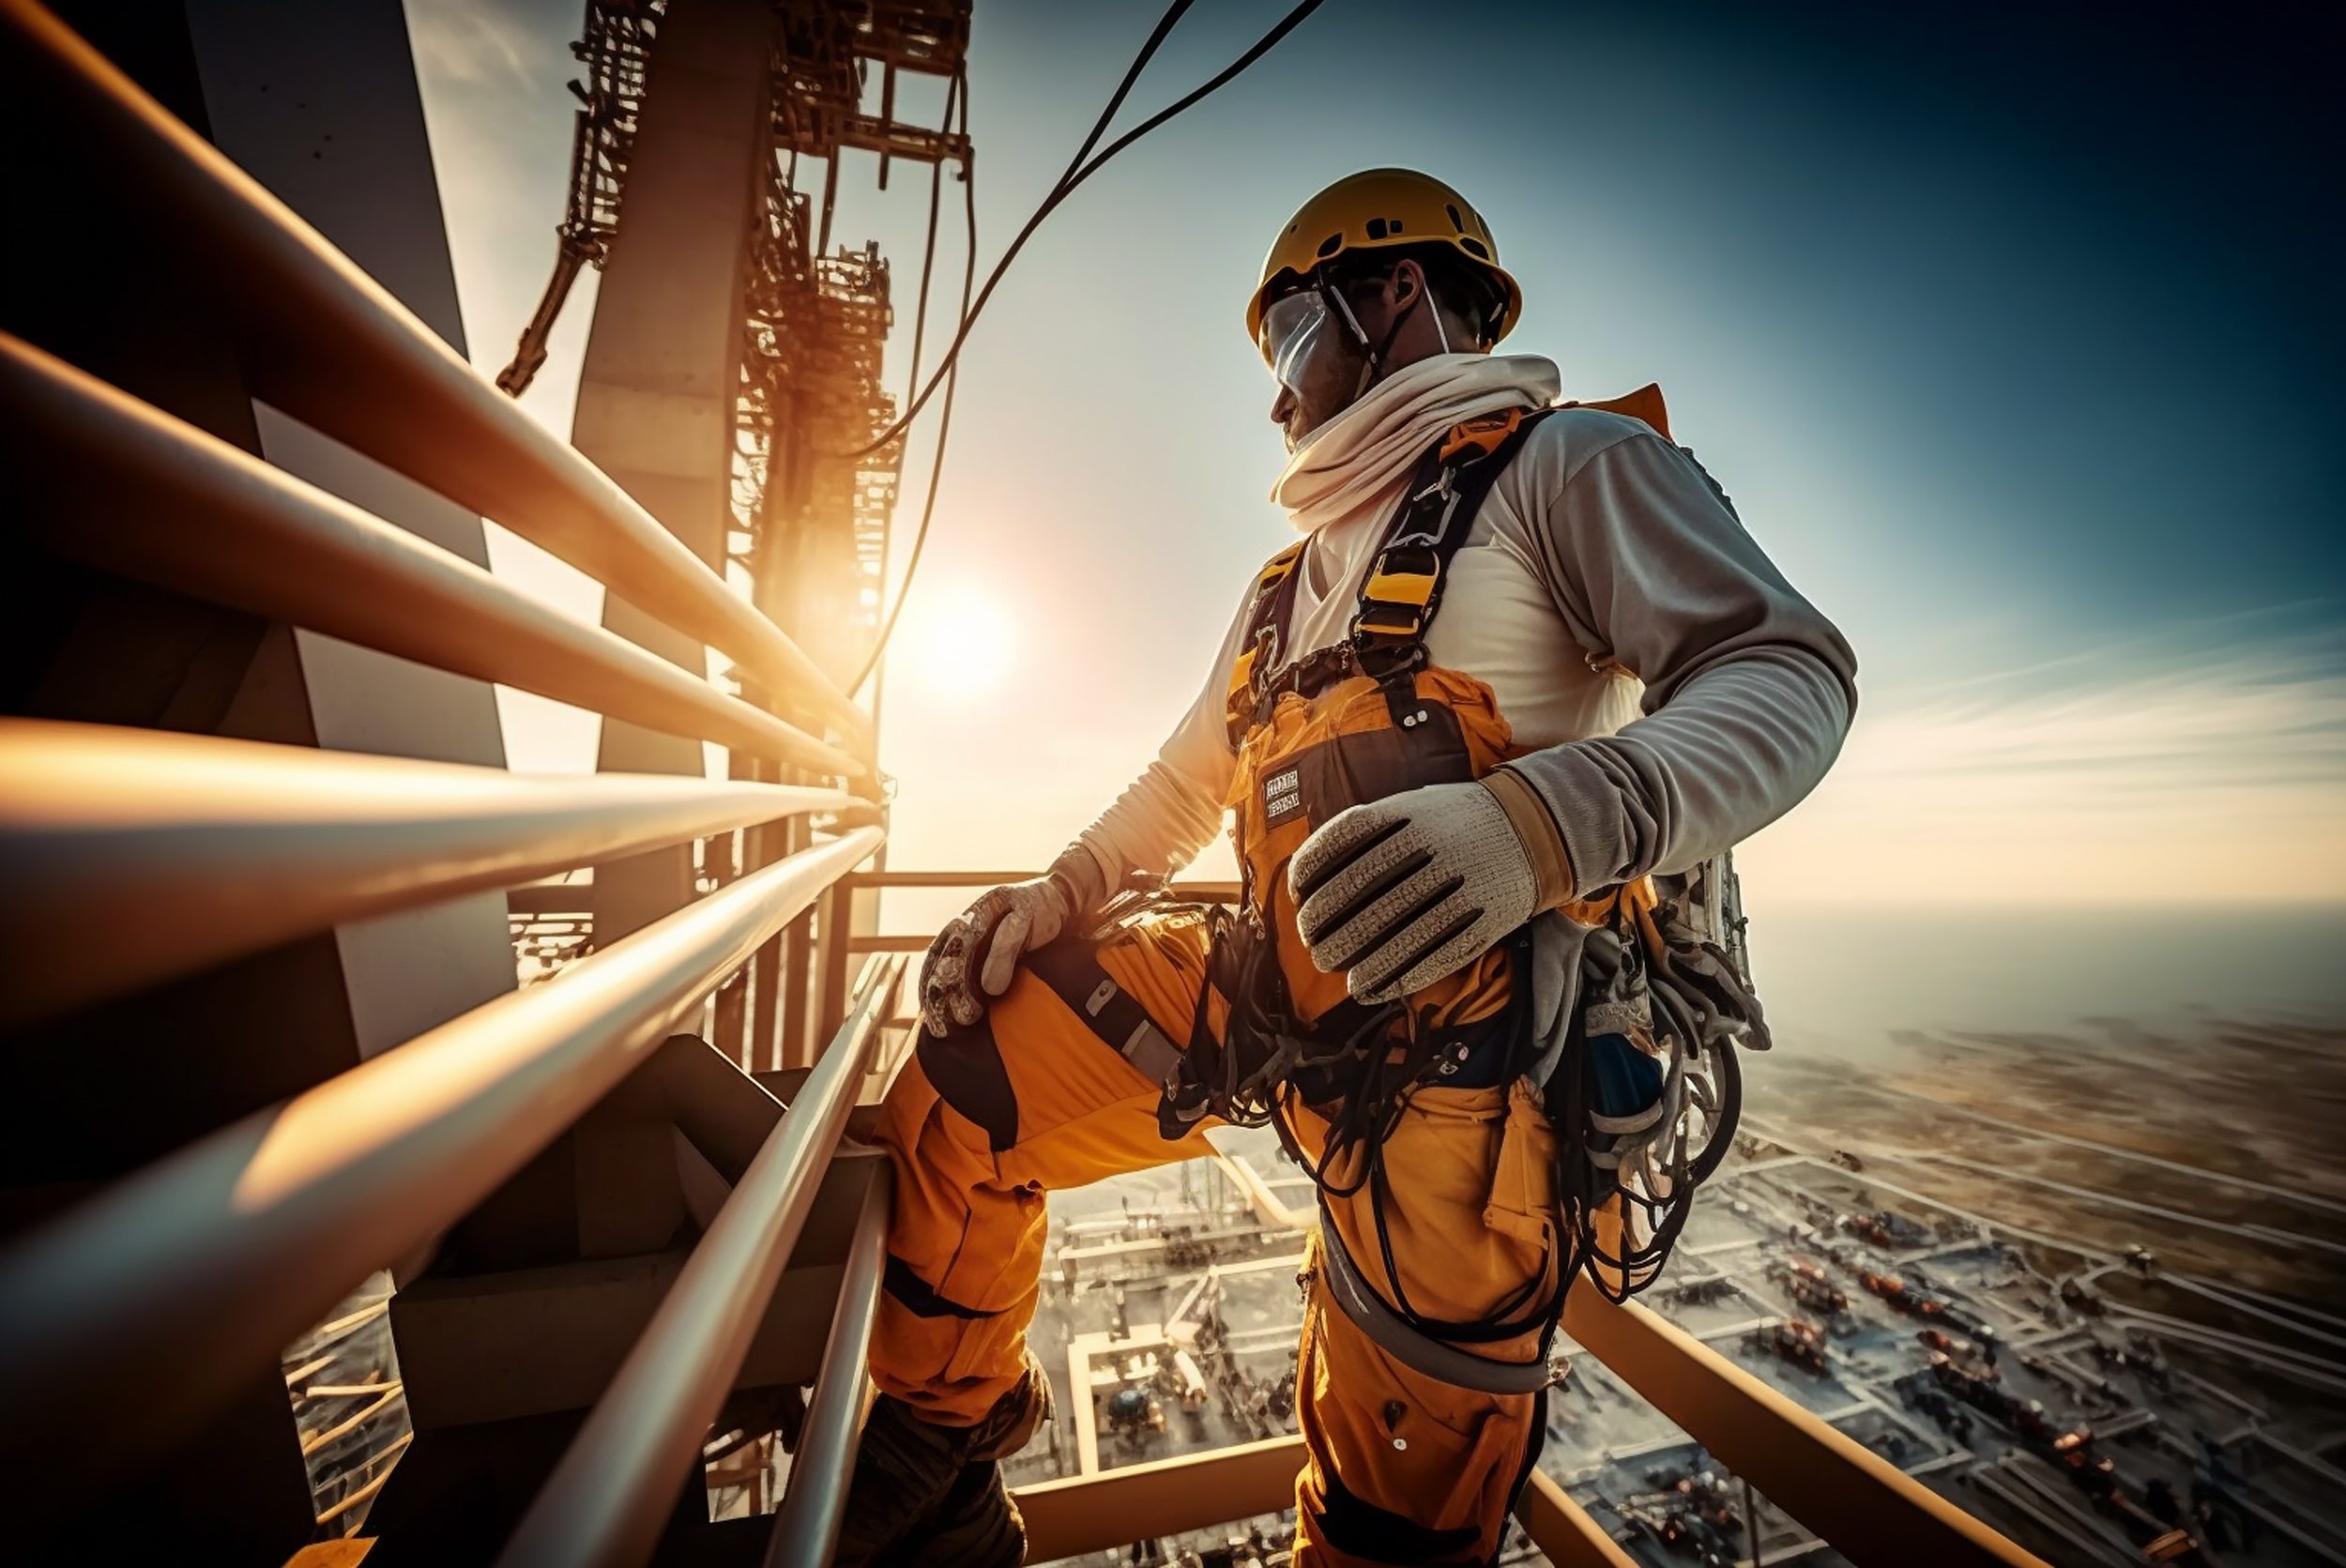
point(1408, 890)
point(976, 955)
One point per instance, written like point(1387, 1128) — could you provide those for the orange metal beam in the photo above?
point(1873, 1513)
point(1134, 1503)
point(1563, 1529)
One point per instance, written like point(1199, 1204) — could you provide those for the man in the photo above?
point(1520, 683)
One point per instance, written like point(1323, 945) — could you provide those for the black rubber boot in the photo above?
point(924, 1493)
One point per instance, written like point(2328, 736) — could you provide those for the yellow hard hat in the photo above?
point(1377, 209)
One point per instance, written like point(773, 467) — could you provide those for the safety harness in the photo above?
point(1643, 1096)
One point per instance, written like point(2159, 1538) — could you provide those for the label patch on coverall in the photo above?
point(1282, 792)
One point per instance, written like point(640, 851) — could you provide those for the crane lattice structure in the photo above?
point(817, 318)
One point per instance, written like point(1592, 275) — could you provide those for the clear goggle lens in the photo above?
point(1292, 328)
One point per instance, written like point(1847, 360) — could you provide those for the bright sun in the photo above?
point(956, 640)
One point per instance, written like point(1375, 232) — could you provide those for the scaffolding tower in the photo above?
point(807, 538)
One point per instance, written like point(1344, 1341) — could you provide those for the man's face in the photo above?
point(1312, 353)
point(1316, 353)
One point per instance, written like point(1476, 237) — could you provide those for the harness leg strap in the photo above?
point(1430, 1357)
point(1072, 971)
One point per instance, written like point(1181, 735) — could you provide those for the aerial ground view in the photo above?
point(1246, 783)
point(2083, 1281)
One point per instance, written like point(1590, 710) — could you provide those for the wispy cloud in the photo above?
point(2206, 763)
point(469, 44)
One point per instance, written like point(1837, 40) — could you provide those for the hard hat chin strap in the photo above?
point(1373, 363)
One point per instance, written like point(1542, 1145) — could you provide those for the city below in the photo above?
point(2080, 1316)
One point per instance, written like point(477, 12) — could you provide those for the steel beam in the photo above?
point(657, 390)
point(329, 345)
point(1871, 1511)
point(128, 857)
point(1078, 1515)
point(608, 1500)
point(126, 1320)
point(1132, 1502)
point(1561, 1529)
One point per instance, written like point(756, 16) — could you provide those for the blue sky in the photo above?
point(2012, 333)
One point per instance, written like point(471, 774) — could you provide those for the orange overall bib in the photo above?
point(1098, 1058)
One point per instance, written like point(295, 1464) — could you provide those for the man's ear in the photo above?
point(1407, 283)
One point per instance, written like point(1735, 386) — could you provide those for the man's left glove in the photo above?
point(1403, 891)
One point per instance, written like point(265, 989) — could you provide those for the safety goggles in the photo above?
point(1298, 329)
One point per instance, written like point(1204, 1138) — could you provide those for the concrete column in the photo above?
point(656, 399)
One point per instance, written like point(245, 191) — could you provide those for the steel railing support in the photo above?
point(126, 1320)
point(616, 1487)
point(128, 857)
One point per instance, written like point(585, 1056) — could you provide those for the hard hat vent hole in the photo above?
point(1376, 228)
point(1473, 247)
point(1331, 245)
point(1455, 222)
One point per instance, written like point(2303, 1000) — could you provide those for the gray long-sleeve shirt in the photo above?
point(1674, 692)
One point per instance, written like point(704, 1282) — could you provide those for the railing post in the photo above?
point(837, 914)
point(763, 845)
point(797, 972)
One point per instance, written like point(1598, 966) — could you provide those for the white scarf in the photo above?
point(1367, 448)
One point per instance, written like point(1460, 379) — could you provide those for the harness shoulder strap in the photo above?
point(1274, 590)
point(1403, 589)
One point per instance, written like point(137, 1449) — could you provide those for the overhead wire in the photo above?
point(1080, 169)
point(1059, 188)
point(953, 87)
point(887, 628)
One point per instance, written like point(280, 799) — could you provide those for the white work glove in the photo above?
point(1403, 891)
point(976, 954)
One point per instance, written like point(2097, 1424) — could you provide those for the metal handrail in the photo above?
point(108, 882)
point(125, 1321)
point(186, 510)
point(608, 1500)
point(806, 1527)
point(1870, 1511)
point(327, 343)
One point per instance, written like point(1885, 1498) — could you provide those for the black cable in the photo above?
point(1069, 183)
point(954, 92)
point(928, 246)
point(1078, 171)
point(945, 414)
